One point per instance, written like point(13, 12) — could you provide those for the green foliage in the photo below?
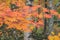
point(13, 6)
point(10, 34)
point(58, 10)
point(37, 34)
point(55, 2)
point(55, 18)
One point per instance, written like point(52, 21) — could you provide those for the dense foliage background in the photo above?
point(19, 16)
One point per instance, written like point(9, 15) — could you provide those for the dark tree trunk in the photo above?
point(45, 20)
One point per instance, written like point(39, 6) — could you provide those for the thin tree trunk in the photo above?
point(51, 21)
point(27, 34)
point(45, 20)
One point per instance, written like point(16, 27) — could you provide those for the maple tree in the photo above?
point(22, 18)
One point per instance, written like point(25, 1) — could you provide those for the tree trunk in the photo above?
point(51, 21)
point(45, 20)
point(27, 34)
